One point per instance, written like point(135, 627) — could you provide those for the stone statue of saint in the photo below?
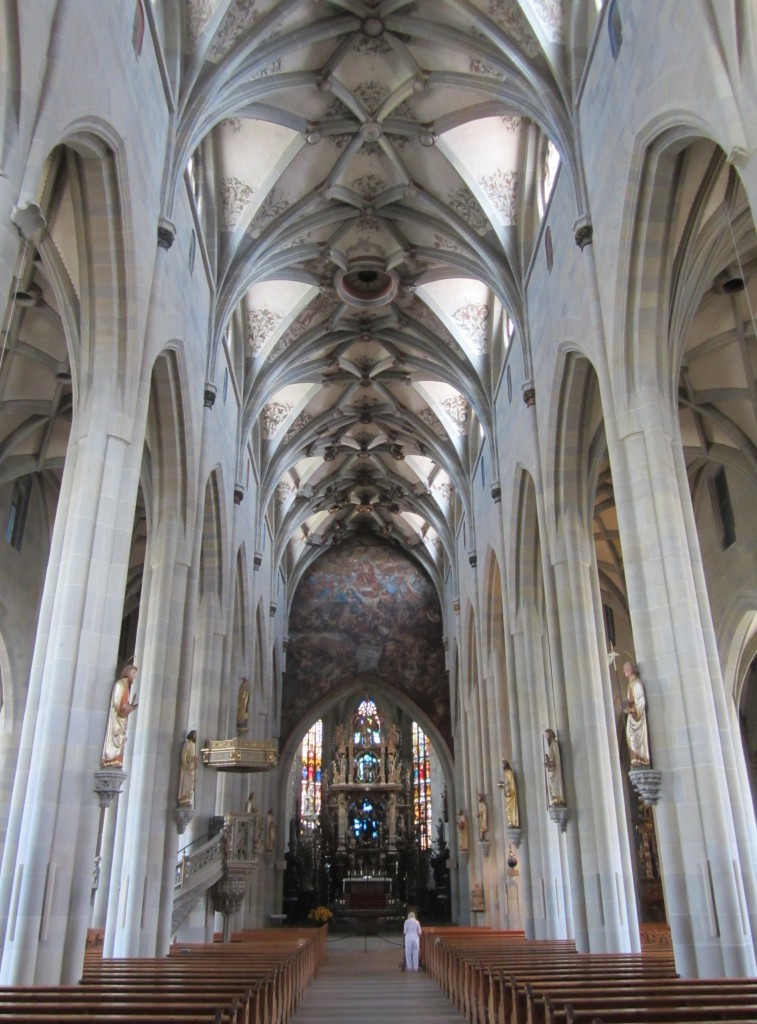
point(440, 833)
point(394, 738)
point(634, 708)
point(462, 831)
point(553, 770)
point(243, 705)
point(483, 818)
point(339, 737)
point(511, 795)
point(121, 706)
point(188, 770)
point(270, 831)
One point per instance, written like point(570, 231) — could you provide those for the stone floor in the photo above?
point(362, 981)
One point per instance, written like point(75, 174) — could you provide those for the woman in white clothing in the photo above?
point(413, 932)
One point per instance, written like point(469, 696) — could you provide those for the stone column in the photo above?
point(47, 869)
point(705, 878)
point(598, 837)
point(144, 905)
point(540, 856)
point(100, 908)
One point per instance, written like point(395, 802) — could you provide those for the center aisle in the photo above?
point(370, 987)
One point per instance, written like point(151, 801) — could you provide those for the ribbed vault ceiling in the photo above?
point(370, 179)
point(376, 168)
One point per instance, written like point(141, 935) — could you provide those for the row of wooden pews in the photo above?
point(500, 978)
point(258, 978)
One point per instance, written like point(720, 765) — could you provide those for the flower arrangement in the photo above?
point(320, 915)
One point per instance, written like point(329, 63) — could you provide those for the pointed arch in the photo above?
point(212, 560)
point(577, 425)
point(261, 695)
point(166, 439)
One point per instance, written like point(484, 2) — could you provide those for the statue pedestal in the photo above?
point(108, 784)
point(559, 814)
point(647, 782)
point(515, 835)
point(182, 815)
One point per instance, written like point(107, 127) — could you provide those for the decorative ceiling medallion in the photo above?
point(367, 284)
point(372, 27)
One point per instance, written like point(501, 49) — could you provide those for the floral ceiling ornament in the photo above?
point(502, 189)
point(372, 47)
point(272, 206)
point(551, 14)
point(479, 66)
point(447, 244)
point(240, 17)
point(284, 493)
point(473, 319)
point(511, 122)
point(273, 68)
point(456, 407)
point(430, 418)
point(442, 492)
point(300, 421)
point(261, 325)
point(418, 310)
point(274, 415)
point(465, 205)
point(371, 94)
point(509, 16)
point(318, 310)
point(196, 16)
point(235, 196)
point(368, 186)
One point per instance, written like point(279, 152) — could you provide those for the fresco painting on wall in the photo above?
point(365, 609)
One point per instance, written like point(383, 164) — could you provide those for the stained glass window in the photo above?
point(422, 814)
point(310, 792)
point(366, 725)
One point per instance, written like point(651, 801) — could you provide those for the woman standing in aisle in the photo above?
point(413, 932)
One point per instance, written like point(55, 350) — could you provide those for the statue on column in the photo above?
point(634, 708)
point(339, 737)
point(462, 831)
point(394, 738)
point(243, 705)
point(553, 770)
point(121, 706)
point(483, 818)
point(188, 770)
point(511, 795)
point(338, 767)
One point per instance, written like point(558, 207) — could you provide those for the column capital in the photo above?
point(583, 232)
point(166, 233)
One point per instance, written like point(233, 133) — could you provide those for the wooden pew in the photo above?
point(657, 1009)
point(631, 992)
point(484, 975)
point(253, 981)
